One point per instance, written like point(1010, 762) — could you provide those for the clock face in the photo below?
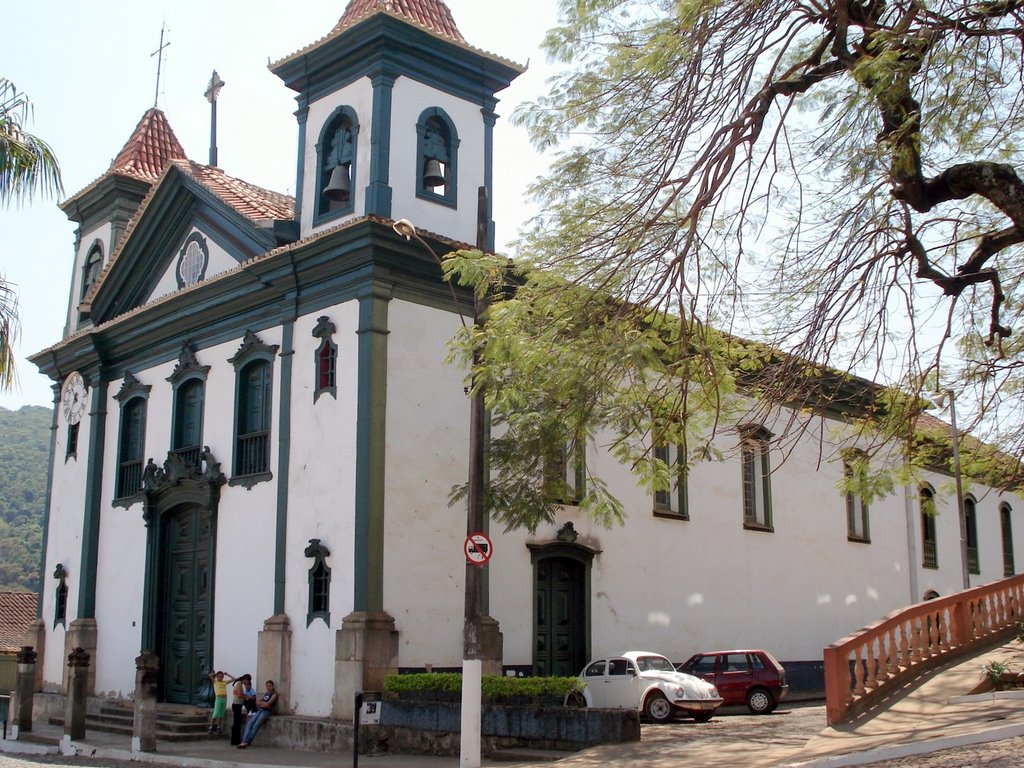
point(72, 397)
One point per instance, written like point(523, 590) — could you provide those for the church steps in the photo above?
point(172, 724)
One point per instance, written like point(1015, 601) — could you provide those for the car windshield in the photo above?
point(654, 664)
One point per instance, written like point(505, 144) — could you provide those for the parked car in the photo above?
point(648, 682)
point(748, 677)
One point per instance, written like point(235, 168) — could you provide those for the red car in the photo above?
point(753, 678)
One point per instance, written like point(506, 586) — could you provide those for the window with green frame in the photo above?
point(672, 502)
point(929, 541)
point(565, 474)
point(858, 526)
point(755, 458)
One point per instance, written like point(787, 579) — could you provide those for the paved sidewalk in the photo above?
point(921, 718)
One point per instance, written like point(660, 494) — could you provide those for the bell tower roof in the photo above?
point(432, 14)
point(151, 146)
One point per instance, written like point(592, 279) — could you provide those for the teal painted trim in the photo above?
point(283, 462)
point(151, 584)
point(93, 494)
point(378, 192)
point(383, 40)
point(489, 120)
point(371, 406)
point(302, 114)
point(49, 500)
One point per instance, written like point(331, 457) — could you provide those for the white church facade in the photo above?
point(255, 432)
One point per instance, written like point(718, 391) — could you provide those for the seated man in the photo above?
point(264, 708)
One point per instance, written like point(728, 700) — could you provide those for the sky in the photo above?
point(89, 70)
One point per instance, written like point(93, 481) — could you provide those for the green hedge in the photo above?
point(494, 687)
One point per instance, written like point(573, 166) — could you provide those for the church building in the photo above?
point(256, 432)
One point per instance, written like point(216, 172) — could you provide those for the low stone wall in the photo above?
point(433, 728)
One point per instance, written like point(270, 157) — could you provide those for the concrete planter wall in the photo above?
point(432, 728)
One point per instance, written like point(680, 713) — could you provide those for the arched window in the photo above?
point(131, 446)
point(91, 268)
point(336, 165)
point(187, 440)
point(326, 359)
point(437, 151)
point(1006, 527)
point(929, 549)
point(254, 368)
point(971, 532)
point(189, 382)
point(319, 606)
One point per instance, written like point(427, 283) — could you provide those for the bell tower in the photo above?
point(396, 118)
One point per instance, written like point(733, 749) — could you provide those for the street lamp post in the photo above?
point(940, 401)
point(472, 645)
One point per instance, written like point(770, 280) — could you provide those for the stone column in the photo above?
point(78, 694)
point(35, 636)
point(274, 659)
point(365, 652)
point(82, 635)
point(147, 667)
point(24, 688)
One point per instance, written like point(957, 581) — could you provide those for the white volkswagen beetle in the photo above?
point(648, 682)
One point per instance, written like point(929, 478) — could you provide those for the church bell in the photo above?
point(338, 186)
point(433, 174)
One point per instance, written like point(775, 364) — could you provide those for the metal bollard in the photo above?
point(355, 730)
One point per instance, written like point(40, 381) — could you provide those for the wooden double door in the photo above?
point(185, 634)
point(560, 616)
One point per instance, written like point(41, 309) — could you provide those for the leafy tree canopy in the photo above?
point(834, 180)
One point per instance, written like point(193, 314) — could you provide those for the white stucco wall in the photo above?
point(321, 502)
point(359, 97)
point(103, 233)
point(410, 100)
point(427, 454)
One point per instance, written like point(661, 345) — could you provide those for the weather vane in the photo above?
point(160, 53)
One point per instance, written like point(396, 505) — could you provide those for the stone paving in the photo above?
point(1008, 753)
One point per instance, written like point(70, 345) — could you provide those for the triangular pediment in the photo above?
point(196, 223)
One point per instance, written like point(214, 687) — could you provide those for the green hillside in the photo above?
point(24, 452)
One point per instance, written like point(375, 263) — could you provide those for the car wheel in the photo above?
point(702, 715)
point(575, 700)
point(657, 708)
point(759, 701)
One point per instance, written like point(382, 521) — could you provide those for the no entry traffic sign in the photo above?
point(477, 548)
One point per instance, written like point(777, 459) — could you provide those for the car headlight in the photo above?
point(714, 693)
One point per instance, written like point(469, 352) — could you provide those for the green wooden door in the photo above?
point(186, 605)
point(560, 617)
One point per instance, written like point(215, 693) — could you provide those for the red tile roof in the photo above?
point(252, 202)
point(17, 613)
point(432, 14)
point(151, 146)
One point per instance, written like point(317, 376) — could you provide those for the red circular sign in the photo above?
point(477, 548)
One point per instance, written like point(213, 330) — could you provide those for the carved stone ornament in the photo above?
point(324, 328)
point(60, 572)
point(176, 469)
point(79, 657)
point(131, 387)
point(188, 364)
point(27, 655)
point(251, 346)
point(567, 533)
point(316, 549)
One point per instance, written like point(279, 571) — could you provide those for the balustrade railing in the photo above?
point(870, 663)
